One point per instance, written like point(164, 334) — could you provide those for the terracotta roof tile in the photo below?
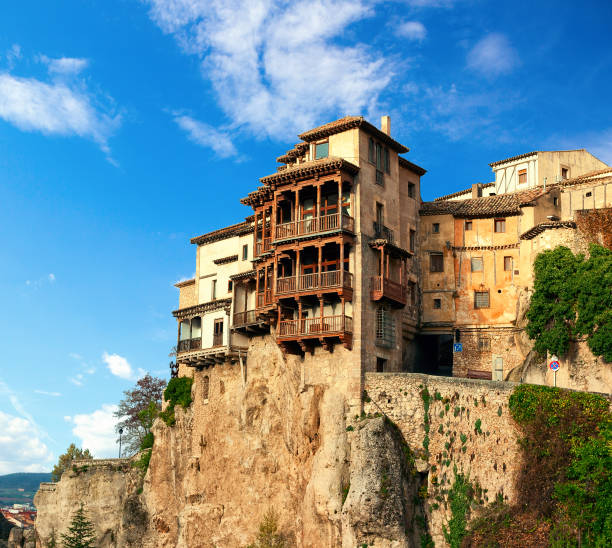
point(307, 169)
point(409, 165)
point(461, 192)
point(519, 156)
point(592, 176)
point(487, 206)
point(538, 229)
point(350, 122)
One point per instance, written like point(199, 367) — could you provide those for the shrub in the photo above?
point(178, 392)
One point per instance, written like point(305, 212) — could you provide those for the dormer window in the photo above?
point(321, 150)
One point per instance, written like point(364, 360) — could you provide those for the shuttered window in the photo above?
point(436, 262)
point(477, 265)
point(481, 299)
point(385, 328)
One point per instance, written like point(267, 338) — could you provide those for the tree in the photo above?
point(135, 412)
point(268, 537)
point(81, 533)
point(72, 453)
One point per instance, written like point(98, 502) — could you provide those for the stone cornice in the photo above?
point(203, 308)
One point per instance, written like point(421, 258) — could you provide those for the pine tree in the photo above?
point(81, 533)
point(52, 542)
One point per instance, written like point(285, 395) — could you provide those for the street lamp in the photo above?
point(120, 432)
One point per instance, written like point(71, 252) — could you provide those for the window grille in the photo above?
point(385, 328)
point(484, 344)
point(481, 299)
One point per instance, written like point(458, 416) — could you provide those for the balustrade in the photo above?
point(385, 287)
point(315, 225)
point(318, 325)
point(310, 282)
point(247, 317)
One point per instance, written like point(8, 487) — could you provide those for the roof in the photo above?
point(592, 176)
point(409, 165)
point(538, 229)
point(461, 192)
point(519, 156)
point(350, 122)
point(487, 206)
point(239, 229)
point(184, 283)
point(307, 169)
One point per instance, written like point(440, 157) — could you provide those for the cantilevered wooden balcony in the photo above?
point(249, 321)
point(264, 298)
point(331, 280)
point(263, 246)
point(315, 225)
point(321, 328)
point(385, 288)
point(189, 344)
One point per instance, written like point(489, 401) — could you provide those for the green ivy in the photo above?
point(460, 498)
point(178, 392)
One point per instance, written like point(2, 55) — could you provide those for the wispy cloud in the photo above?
point(275, 66)
point(493, 55)
point(45, 393)
point(13, 55)
point(207, 136)
point(64, 65)
point(36, 284)
point(412, 30)
point(120, 367)
point(96, 430)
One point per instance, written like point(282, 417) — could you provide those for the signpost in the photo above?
point(457, 347)
point(554, 366)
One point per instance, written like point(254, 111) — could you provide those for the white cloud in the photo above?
point(45, 393)
point(51, 277)
point(21, 449)
point(413, 30)
point(97, 431)
point(274, 65)
point(207, 136)
point(13, 54)
point(493, 55)
point(120, 367)
point(65, 65)
point(54, 109)
point(36, 284)
point(75, 356)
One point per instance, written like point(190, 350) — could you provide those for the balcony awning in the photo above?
point(392, 249)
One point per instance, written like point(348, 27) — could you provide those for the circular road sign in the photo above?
point(554, 365)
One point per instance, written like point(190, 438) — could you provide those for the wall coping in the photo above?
point(101, 462)
point(502, 385)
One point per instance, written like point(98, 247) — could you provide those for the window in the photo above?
point(385, 328)
point(468, 225)
point(213, 290)
point(435, 228)
point(589, 194)
point(245, 252)
point(508, 266)
point(381, 161)
point(371, 153)
point(205, 388)
point(564, 173)
point(381, 365)
point(477, 264)
point(321, 150)
point(436, 262)
point(412, 293)
point(412, 240)
point(218, 332)
point(484, 344)
point(387, 162)
point(437, 303)
point(555, 201)
point(411, 190)
point(500, 225)
point(380, 178)
point(229, 286)
point(380, 214)
point(522, 176)
point(481, 299)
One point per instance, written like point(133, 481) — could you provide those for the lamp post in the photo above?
point(120, 432)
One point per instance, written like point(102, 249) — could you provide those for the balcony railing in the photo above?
point(190, 344)
point(384, 287)
point(264, 298)
point(336, 221)
point(327, 325)
point(381, 231)
point(263, 246)
point(311, 282)
point(248, 317)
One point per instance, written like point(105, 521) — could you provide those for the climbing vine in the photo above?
point(178, 392)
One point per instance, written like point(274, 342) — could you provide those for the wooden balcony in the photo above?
point(264, 299)
point(384, 288)
point(316, 328)
point(315, 225)
point(319, 281)
point(189, 344)
point(263, 246)
point(249, 322)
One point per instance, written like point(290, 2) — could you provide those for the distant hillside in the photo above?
point(20, 488)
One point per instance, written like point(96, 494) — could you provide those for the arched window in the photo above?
point(205, 387)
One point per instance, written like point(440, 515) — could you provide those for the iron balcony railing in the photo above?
point(381, 231)
point(326, 325)
point(310, 282)
point(384, 287)
point(326, 223)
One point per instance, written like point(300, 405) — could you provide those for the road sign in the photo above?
point(458, 347)
point(554, 365)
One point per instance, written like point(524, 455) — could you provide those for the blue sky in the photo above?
point(128, 126)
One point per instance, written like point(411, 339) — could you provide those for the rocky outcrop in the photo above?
point(21, 538)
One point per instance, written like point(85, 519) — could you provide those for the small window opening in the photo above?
point(213, 290)
point(230, 286)
point(437, 303)
point(508, 264)
point(589, 194)
point(411, 190)
point(381, 365)
point(564, 173)
point(555, 201)
point(500, 225)
point(245, 252)
point(468, 225)
point(481, 299)
point(484, 344)
point(435, 228)
point(321, 150)
point(436, 262)
point(412, 240)
point(205, 387)
point(522, 176)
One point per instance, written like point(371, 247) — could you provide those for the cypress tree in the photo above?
point(81, 533)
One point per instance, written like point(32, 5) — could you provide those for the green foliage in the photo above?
point(73, 452)
point(366, 398)
point(268, 536)
point(345, 491)
point(178, 392)
point(499, 411)
point(477, 426)
point(459, 497)
point(52, 541)
point(81, 533)
point(384, 484)
point(427, 541)
point(147, 441)
point(567, 444)
point(143, 461)
point(572, 296)
point(350, 428)
point(463, 438)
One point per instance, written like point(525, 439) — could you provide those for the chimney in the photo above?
point(385, 124)
point(476, 190)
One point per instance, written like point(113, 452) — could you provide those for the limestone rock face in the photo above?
point(379, 508)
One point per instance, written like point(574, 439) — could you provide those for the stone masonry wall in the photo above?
point(488, 454)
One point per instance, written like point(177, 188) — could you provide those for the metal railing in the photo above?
point(381, 231)
point(308, 282)
point(247, 317)
point(314, 326)
point(335, 221)
point(190, 344)
point(384, 287)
